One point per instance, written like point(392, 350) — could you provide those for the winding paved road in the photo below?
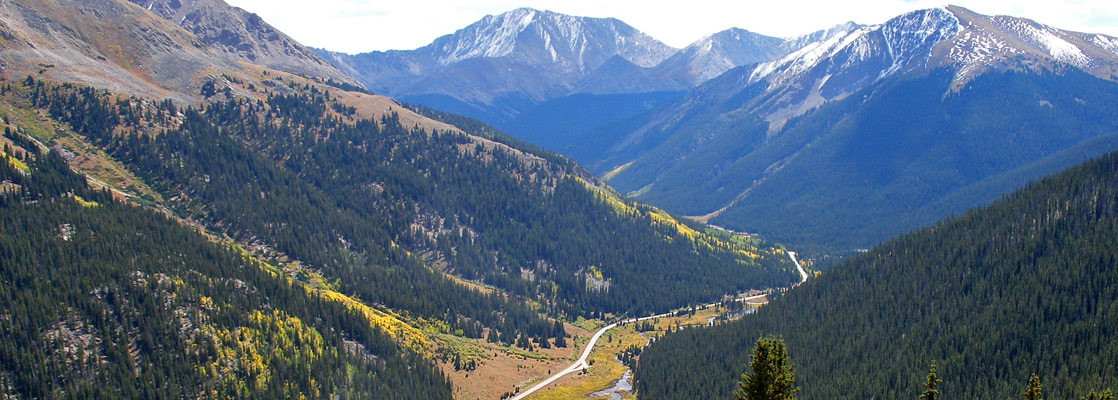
point(580, 364)
point(803, 274)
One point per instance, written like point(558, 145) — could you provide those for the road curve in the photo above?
point(578, 364)
point(803, 274)
point(581, 362)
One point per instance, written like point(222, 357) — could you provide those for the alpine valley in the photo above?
point(180, 221)
point(830, 142)
point(195, 205)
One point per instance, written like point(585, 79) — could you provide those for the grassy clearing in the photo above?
point(605, 370)
point(502, 369)
point(86, 158)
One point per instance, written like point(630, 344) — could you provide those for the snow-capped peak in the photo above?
point(843, 61)
point(810, 55)
point(1002, 42)
point(551, 37)
point(909, 38)
point(492, 36)
point(947, 36)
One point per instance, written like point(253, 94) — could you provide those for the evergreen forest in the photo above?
point(100, 299)
point(1028, 285)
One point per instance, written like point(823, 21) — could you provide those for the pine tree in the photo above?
point(772, 377)
point(1033, 392)
point(930, 393)
point(1105, 395)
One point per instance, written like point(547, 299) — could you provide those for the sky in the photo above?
point(355, 26)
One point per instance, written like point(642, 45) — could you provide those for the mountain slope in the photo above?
point(864, 125)
point(244, 36)
point(1024, 286)
point(119, 301)
point(353, 191)
point(89, 42)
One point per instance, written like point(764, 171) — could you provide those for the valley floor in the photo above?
point(598, 369)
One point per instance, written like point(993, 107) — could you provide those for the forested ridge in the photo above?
point(1028, 285)
point(102, 299)
point(366, 201)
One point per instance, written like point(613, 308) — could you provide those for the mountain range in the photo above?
point(504, 61)
point(834, 140)
point(872, 131)
point(505, 65)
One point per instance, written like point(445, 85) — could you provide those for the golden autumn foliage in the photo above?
point(85, 203)
point(15, 162)
point(247, 354)
point(741, 248)
point(407, 335)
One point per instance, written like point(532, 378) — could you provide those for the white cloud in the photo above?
point(364, 25)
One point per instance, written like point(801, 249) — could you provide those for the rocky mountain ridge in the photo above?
point(503, 65)
point(921, 41)
point(737, 147)
point(244, 36)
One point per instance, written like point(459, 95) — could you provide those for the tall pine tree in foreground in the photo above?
point(772, 377)
point(1033, 392)
point(930, 391)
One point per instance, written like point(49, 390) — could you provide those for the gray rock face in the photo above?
point(244, 36)
point(84, 41)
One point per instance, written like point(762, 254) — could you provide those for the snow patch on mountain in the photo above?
point(975, 49)
point(978, 46)
point(1060, 49)
point(493, 36)
point(806, 58)
point(1105, 42)
point(910, 37)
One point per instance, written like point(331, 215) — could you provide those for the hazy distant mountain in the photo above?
point(619, 91)
point(872, 130)
point(504, 67)
point(501, 62)
point(712, 55)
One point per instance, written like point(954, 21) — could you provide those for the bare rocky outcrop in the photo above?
point(244, 36)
